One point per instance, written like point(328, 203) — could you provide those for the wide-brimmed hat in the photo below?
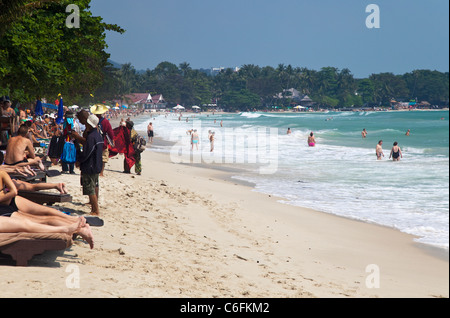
point(93, 121)
point(99, 109)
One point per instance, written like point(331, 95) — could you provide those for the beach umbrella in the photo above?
point(60, 117)
point(74, 107)
point(178, 107)
point(195, 107)
point(38, 110)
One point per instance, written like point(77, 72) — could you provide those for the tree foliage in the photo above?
point(262, 87)
point(41, 57)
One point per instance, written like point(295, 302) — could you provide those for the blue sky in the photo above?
point(414, 34)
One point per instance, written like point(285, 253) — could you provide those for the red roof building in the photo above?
point(148, 101)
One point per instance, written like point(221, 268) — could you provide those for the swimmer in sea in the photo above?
point(311, 140)
point(364, 133)
point(379, 150)
point(289, 131)
point(396, 152)
point(408, 132)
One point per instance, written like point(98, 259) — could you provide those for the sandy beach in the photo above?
point(184, 231)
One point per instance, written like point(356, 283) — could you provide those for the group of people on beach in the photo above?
point(82, 140)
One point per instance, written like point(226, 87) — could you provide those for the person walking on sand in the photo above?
point(150, 132)
point(379, 150)
point(311, 140)
point(396, 152)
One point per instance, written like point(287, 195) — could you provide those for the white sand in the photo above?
point(183, 231)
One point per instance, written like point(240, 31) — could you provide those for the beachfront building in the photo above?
point(145, 100)
point(306, 101)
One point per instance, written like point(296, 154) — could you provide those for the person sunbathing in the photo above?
point(20, 150)
point(18, 214)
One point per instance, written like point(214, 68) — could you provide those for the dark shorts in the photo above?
point(13, 164)
point(8, 210)
point(89, 182)
point(150, 133)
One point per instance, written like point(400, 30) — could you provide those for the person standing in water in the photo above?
point(150, 132)
point(396, 152)
point(311, 140)
point(364, 133)
point(408, 132)
point(289, 131)
point(379, 150)
point(194, 139)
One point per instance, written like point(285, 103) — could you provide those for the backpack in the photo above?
point(140, 144)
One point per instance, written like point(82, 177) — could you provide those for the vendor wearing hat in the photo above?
point(107, 131)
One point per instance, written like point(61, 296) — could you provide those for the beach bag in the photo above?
point(140, 144)
point(69, 154)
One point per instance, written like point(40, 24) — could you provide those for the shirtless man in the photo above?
point(20, 149)
point(364, 133)
point(379, 150)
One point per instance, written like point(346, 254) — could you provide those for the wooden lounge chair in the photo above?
point(23, 246)
point(40, 176)
point(44, 197)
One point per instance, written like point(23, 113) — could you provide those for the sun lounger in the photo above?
point(23, 246)
point(44, 197)
point(40, 176)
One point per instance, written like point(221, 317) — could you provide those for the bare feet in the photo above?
point(62, 188)
point(86, 233)
point(75, 227)
point(41, 165)
point(28, 170)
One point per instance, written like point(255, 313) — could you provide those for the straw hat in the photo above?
point(99, 109)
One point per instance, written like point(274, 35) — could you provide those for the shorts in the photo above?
point(89, 182)
point(8, 210)
point(105, 156)
point(150, 133)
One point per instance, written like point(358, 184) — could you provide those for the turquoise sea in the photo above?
point(341, 174)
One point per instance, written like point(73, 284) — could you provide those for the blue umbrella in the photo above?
point(60, 117)
point(38, 110)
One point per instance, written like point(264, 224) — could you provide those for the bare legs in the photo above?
point(16, 224)
point(25, 186)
